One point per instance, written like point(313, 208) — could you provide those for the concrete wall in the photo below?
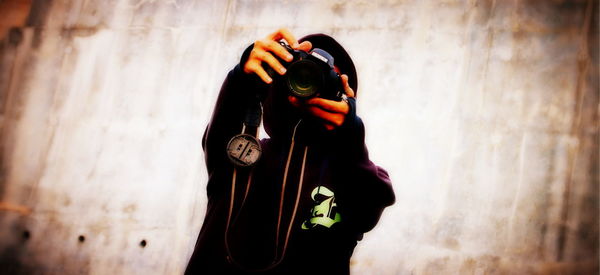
point(484, 112)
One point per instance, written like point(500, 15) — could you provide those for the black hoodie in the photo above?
point(333, 193)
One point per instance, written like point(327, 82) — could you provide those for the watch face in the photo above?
point(243, 150)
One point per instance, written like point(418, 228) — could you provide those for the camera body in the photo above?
point(312, 74)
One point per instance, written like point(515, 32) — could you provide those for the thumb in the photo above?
point(347, 88)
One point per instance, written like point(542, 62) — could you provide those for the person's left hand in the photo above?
point(331, 113)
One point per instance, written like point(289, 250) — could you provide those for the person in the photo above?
point(312, 194)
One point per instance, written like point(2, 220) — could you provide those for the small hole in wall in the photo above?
point(143, 243)
point(81, 238)
point(26, 235)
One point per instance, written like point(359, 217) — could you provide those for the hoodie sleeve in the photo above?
point(367, 187)
point(228, 115)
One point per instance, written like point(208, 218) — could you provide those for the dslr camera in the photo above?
point(311, 74)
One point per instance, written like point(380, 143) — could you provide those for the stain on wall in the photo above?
point(484, 112)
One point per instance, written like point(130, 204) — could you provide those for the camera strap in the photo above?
point(244, 150)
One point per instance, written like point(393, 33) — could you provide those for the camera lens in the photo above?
point(304, 78)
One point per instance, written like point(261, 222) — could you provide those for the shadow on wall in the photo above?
point(17, 16)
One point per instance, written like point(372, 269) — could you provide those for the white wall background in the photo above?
point(484, 112)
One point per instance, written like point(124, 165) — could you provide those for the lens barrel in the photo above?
point(304, 78)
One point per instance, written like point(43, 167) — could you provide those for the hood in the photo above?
point(280, 117)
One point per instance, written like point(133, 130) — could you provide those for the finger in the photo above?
point(285, 34)
point(273, 62)
point(347, 88)
point(329, 105)
point(328, 117)
point(305, 46)
point(258, 70)
point(333, 119)
point(294, 101)
point(276, 48)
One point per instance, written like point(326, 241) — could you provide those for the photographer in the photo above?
point(298, 201)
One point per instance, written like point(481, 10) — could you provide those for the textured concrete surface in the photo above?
point(484, 112)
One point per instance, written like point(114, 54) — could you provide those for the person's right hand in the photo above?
point(265, 49)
